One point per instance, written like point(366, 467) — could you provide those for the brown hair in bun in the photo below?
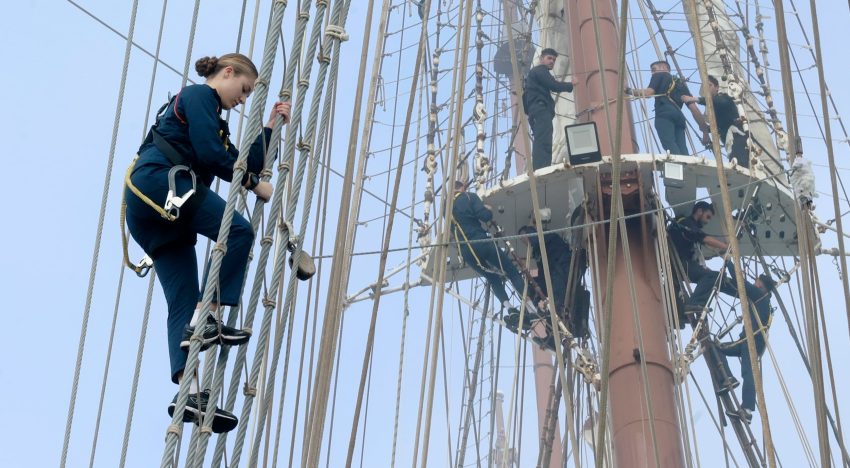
point(210, 66)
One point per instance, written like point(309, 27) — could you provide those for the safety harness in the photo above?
point(170, 210)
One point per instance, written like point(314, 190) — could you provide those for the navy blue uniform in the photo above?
point(687, 235)
point(484, 257)
point(193, 126)
point(540, 107)
point(669, 120)
point(760, 316)
point(726, 114)
point(560, 256)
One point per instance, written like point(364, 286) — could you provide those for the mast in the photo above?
point(639, 437)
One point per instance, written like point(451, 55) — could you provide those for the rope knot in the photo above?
point(285, 94)
point(269, 302)
point(266, 174)
point(248, 390)
point(304, 15)
point(284, 166)
point(241, 165)
point(322, 58)
point(206, 430)
point(260, 82)
point(266, 241)
point(174, 429)
point(337, 32)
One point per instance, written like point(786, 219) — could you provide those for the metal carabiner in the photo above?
point(173, 203)
point(143, 267)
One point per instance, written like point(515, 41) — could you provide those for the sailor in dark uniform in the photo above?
point(687, 237)
point(728, 120)
point(540, 107)
point(761, 315)
point(169, 203)
point(486, 258)
point(670, 95)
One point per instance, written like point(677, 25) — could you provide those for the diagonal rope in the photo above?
point(99, 236)
point(331, 43)
point(733, 244)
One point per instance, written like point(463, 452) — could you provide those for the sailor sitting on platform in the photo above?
point(687, 237)
point(670, 94)
point(480, 252)
point(761, 314)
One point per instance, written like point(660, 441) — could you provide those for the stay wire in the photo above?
point(98, 237)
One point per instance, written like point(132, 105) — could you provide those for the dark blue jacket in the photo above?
point(468, 212)
point(539, 86)
point(193, 126)
point(760, 304)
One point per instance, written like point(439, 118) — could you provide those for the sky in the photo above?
point(62, 87)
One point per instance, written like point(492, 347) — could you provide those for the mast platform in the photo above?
point(681, 179)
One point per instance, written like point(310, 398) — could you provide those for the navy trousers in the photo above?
point(176, 266)
point(671, 131)
point(705, 280)
point(748, 387)
point(541, 126)
point(493, 258)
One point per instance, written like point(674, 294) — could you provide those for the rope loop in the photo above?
point(284, 166)
point(266, 241)
point(261, 82)
point(322, 58)
point(174, 429)
point(206, 430)
point(266, 174)
point(269, 302)
point(304, 83)
point(337, 32)
point(304, 146)
point(285, 94)
point(220, 247)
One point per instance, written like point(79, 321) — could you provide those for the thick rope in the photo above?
point(448, 201)
point(314, 424)
point(278, 9)
point(733, 241)
point(257, 108)
point(284, 235)
point(332, 42)
point(98, 237)
point(833, 172)
point(367, 357)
